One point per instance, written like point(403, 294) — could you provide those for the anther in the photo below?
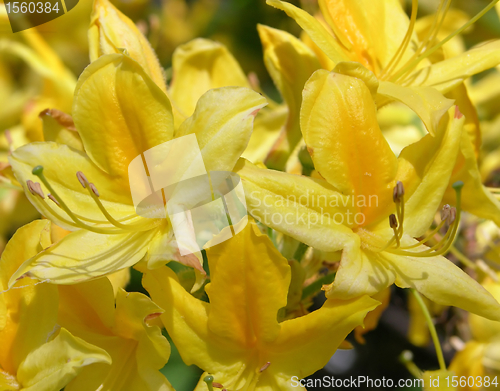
point(393, 221)
point(35, 188)
point(453, 215)
point(82, 178)
point(94, 189)
point(445, 212)
point(398, 192)
point(217, 385)
point(264, 367)
point(54, 199)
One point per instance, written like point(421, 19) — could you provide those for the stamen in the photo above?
point(38, 171)
point(209, 380)
point(443, 246)
point(445, 212)
point(404, 44)
point(82, 178)
point(94, 189)
point(393, 221)
point(53, 199)
point(412, 63)
point(265, 366)
point(35, 188)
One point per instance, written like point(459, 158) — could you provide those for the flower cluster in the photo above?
point(264, 232)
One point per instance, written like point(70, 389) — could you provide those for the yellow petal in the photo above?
point(372, 318)
point(222, 123)
point(137, 349)
point(469, 362)
point(266, 129)
point(442, 282)
point(119, 279)
point(55, 363)
point(83, 255)
point(309, 210)
point(120, 113)
point(485, 330)
point(448, 74)
point(290, 63)
point(308, 342)
point(348, 149)
point(89, 305)
point(476, 198)
point(373, 30)
point(426, 102)
point(61, 163)
point(59, 127)
point(199, 66)
point(186, 321)
point(111, 31)
point(315, 30)
point(360, 273)
point(425, 169)
point(29, 312)
point(153, 350)
point(246, 296)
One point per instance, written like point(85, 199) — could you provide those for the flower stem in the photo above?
point(432, 329)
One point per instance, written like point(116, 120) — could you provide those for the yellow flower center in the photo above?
point(396, 72)
point(82, 221)
point(449, 216)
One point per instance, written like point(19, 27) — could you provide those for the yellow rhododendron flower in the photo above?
point(35, 355)
point(119, 113)
point(394, 199)
point(378, 36)
point(237, 337)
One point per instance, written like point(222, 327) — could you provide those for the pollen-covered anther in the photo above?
point(398, 192)
point(35, 188)
point(82, 178)
point(53, 199)
point(217, 385)
point(453, 215)
point(94, 189)
point(393, 221)
point(264, 367)
point(445, 212)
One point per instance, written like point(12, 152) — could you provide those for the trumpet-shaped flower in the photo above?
point(378, 36)
point(370, 204)
point(237, 337)
point(35, 354)
point(119, 113)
